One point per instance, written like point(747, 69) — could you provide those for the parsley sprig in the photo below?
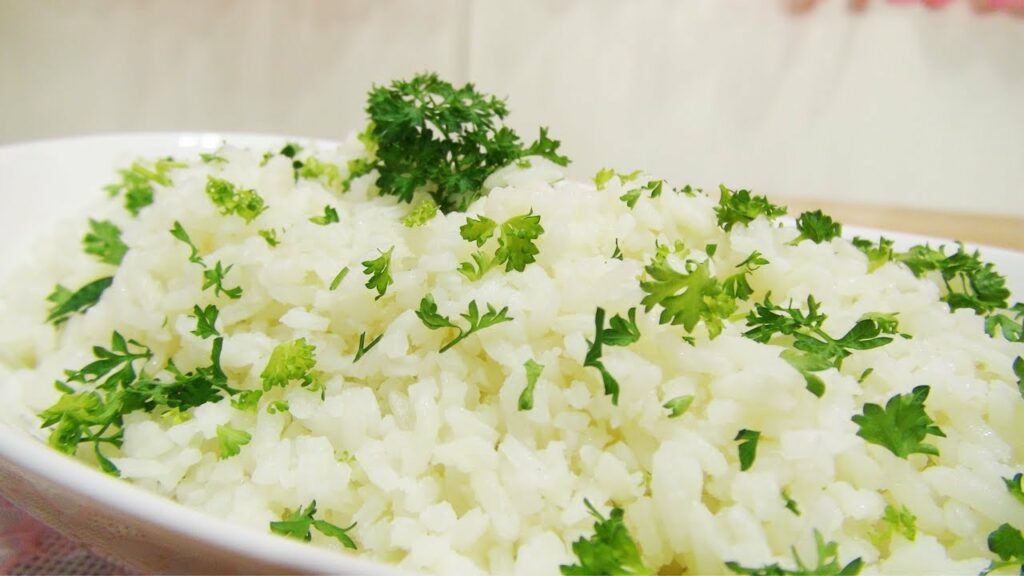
point(1007, 543)
point(815, 349)
point(65, 302)
point(378, 271)
point(104, 242)
point(620, 332)
point(741, 207)
point(817, 227)
point(611, 550)
point(427, 134)
point(298, 524)
point(827, 563)
point(231, 199)
point(430, 317)
point(137, 182)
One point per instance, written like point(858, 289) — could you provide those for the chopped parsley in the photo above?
point(790, 504)
point(313, 168)
point(290, 361)
point(611, 550)
point(104, 242)
point(297, 525)
point(421, 213)
point(137, 183)
point(206, 318)
point(533, 371)
point(901, 425)
point(428, 314)
point(1018, 371)
point(902, 521)
point(620, 332)
point(338, 279)
point(877, 254)
point(363, 347)
point(827, 563)
point(1013, 486)
point(65, 302)
point(214, 278)
point(1011, 327)
point(231, 441)
point(691, 296)
point(111, 387)
point(270, 236)
point(178, 231)
point(605, 175)
point(679, 405)
point(740, 207)
point(212, 158)
point(748, 440)
point(1007, 543)
point(817, 227)
point(425, 133)
point(379, 272)
point(633, 195)
point(617, 253)
point(230, 199)
point(278, 407)
point(816, 350)
point(516, 243)
point(330, 216)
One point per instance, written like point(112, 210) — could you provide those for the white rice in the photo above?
point(428, 452)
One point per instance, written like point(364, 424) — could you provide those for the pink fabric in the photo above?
point(28, 546)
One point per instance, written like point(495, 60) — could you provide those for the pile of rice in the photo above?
point(429, 453)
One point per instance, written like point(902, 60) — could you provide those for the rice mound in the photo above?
point(429, 453)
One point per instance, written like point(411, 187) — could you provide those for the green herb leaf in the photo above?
point(748, 440)
point(428, 314)
point(611, 550)
point(137, 182)
point(328, 173)
point(791, 504)
point(104, 242)
point(475, 270)
point(270, 236)
point(379, 272)
point(478, 230)
point(878, 254)
point(743, 208)
point(420, 214)
point(214, 278)
point(1018, 371)
point(297, 525)
point(621, 332)
point(206, 318)
point(68, 303)
point(1013, 486)
point(617, 253)
point(289, 361)
point(827, 563)
point(231, 441)
point(363, 347)
point(516, 247)
point(178, 231)
point(817, 227)
point(338, 279)
point(277, 407)
point(688, 297)
point(679, 405)
point(212, 158)
point(1007, 543)
point(247, 400)
point(901, 425)
point(902, 521)
point(533, 371)
point(330, 216)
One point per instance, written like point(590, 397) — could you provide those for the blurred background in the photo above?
point(895, 104)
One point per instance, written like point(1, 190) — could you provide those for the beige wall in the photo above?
point(898, 104)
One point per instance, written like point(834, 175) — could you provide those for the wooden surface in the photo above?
point(1004, 231)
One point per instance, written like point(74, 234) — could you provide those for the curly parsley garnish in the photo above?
point(65, 302)
point(137, 183)
point(420, 214)
point(1007, 543)
point(817, 227)
point(611, 550)
point(427, 134)
point(901, 426)
point(740, 207)
point(230, 199)
point(290, 361)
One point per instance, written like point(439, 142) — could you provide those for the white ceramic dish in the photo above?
point(44, 182)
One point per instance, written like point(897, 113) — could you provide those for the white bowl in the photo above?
point(44, 182)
